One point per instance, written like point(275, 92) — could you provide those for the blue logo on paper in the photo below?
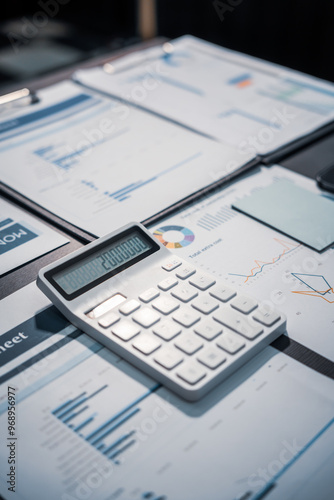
point(13, 236)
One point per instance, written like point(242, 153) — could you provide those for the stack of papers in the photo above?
point(99, 163)
point(253, 105)
point(178, 118)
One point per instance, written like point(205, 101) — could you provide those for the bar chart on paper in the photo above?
point(110, 436)
point(106, 153)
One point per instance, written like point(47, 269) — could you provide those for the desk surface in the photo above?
point(307, 160)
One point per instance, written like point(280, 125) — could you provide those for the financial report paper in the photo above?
point(254, 105)
point(23, 237)
point(99, 163)
point(89, 425)
point(258, 260)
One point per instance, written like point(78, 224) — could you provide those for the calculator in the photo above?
point(181, 326)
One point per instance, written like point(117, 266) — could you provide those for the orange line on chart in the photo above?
point(288, 247)
point(317, 293)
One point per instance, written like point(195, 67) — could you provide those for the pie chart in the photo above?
point(174, 236)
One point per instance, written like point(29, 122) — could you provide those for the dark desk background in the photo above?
point(294, 33)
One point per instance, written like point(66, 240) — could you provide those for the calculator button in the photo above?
point(185, 271)
point(189, 343)
point(109, 319)
point(222, 293)
point(149, 295)
point(165, 304)
point(167, 283)
point(244, 304)
point(146, 317)
point(168, 357)
point(211, 357)
point(202, 281)
point(267, 318)
point(129, 307)
point(238, 322)
point(167, 329)
point(205, 304)
point(171, 264)
point(230, 342)
point(208, 329)
point(186, 316)
point(191, 373)
point(146, 343)
point(125, 330)
point(184, 293)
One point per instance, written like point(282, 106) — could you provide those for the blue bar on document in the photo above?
point(75, 414)
point(83, 424)
point(121, 450)
point(119, 441)
point(68, 402)
point(113, 428)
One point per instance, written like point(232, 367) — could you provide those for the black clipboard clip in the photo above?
point(18, 98)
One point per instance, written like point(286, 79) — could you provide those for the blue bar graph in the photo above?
point(77, 414)
point(62, 155)
point(124, 193)
point(211, 221)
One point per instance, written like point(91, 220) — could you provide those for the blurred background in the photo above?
point(42, 36)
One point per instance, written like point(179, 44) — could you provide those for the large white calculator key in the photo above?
point(185, 293)
point(171, 264)
point(129, 307)
point(191, 372)
point(146, 317)
point(238, 322)
point(202, 281)
point(167, 283)
point(205, 304)
point(186, 317)
point(244, 304)
point(223, 293)
point(146, 343)
point(109, 319)
point(125, 330)
point(165, 304)
point(230, 342)
point(267, 318)
point(211, 357)
point(148, 295)
point(167, 329)
point(185, 271)
point(208, 329)
point(168, 357)
point(189, 343)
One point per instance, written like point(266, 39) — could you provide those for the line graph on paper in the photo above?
point(314, 285)
point(283, 248)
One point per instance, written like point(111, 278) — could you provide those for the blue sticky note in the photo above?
point(305, 216)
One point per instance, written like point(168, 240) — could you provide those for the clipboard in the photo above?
point(25, 97)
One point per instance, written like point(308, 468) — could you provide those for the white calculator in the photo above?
point(181, 326)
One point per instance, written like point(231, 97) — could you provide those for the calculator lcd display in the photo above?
point(106, 261)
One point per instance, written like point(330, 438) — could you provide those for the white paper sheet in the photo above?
point(259, 260)
point(91, 426)
point(99, 164)
point(23, 238)
point(251, 104)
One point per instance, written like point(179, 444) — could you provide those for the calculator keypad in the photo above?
point(187, 324)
